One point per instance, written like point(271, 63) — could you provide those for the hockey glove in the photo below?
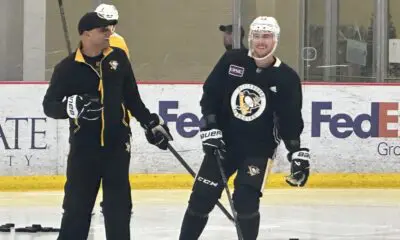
point(84, 107)
point(212, 141)
point(157, 133)
point(299, 167)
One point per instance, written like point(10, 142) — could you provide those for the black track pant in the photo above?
point(251, 175)
point(87, 166)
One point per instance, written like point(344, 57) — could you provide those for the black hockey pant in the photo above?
point(86, 167)
point(207, 189)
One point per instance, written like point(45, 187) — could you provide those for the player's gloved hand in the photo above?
point(84, 106)
point(299, 167)
point(212, 141)
point(157, 132)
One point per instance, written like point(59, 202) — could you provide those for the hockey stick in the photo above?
point(190, 170)
point(65, 27)
point(219, 158)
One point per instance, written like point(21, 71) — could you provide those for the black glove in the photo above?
point(299, 167)
point(84, 106)
point(212, 141)
point(157, 133)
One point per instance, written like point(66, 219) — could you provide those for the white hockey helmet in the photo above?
point(264, 24)
point(107, 11)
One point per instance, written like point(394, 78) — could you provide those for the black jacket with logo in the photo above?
point(255, 107)
point(114, 84)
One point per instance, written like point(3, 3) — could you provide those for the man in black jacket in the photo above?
point(95, 88)
point(228, 37)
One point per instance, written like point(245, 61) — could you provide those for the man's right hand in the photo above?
point(84, 106)
point(212, 140)
point(299, 167)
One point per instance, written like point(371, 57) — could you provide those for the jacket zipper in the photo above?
point(102, 103)
point(101, 89)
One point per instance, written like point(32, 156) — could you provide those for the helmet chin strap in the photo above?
point(262, 60)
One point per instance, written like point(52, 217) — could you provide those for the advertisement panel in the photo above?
point(349, 129)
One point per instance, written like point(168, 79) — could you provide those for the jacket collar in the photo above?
point(79, 55)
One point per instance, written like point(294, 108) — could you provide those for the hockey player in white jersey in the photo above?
point(247, 99)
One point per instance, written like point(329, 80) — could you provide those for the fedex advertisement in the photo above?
point(341, 125)
point(358, 127)
point(186, 123)
point(347, 128)
point(380, 122)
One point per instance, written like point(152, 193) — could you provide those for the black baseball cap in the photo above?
point(229, 29)
point(92, 20)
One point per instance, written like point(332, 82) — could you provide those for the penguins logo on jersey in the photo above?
point(248, 102)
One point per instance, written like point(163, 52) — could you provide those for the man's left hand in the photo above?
point(157, 132)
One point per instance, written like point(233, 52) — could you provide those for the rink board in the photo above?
point(352, 131)
point(185, 181)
